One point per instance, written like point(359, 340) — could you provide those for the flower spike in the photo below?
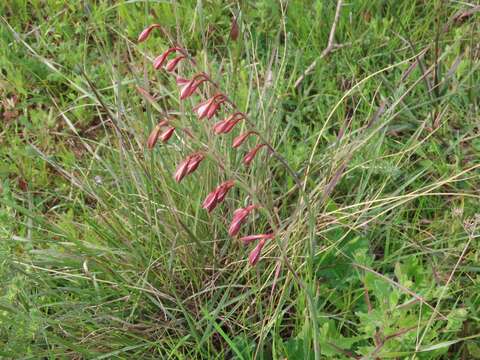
point(146, 32)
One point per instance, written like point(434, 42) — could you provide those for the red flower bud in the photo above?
point(217, 195)
point(187, 166)
point(167, 134)
point(153, 137)
point(194, 162)
point(160, 60)
point(255, 253)
point(210, 201)
point(146, 32)
point(224, 188)
point(239, 140)
point(226, 125)
point(219, 127)
point(209, 107)
point(202, 110)
point(239, 217)
point(189, 87)
point(172, 64)
point(181, 170)
point(212, 110)
point(248, 158)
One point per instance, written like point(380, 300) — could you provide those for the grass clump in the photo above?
point(373, 195)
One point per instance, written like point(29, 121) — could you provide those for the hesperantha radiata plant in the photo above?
point(216, 105)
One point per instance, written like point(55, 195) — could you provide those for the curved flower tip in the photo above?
point(172, 64)
point(256, 252)
point(217, 195)
point(248, 158)
point(240, 139)
point(187, 166)
point(239, 217)
point(146, 32)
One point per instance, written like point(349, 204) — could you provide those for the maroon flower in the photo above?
point(146, 32)
point(172, 64)
point(153, 137)
point(248, 158)
point(226, 125)
point(160, 60)
point(239, 217)
point(190, 86)
point(239, 140)
point(210, 107)
point(189, 165)
point(217, 195)
point(254, 255)
point(167, 134)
